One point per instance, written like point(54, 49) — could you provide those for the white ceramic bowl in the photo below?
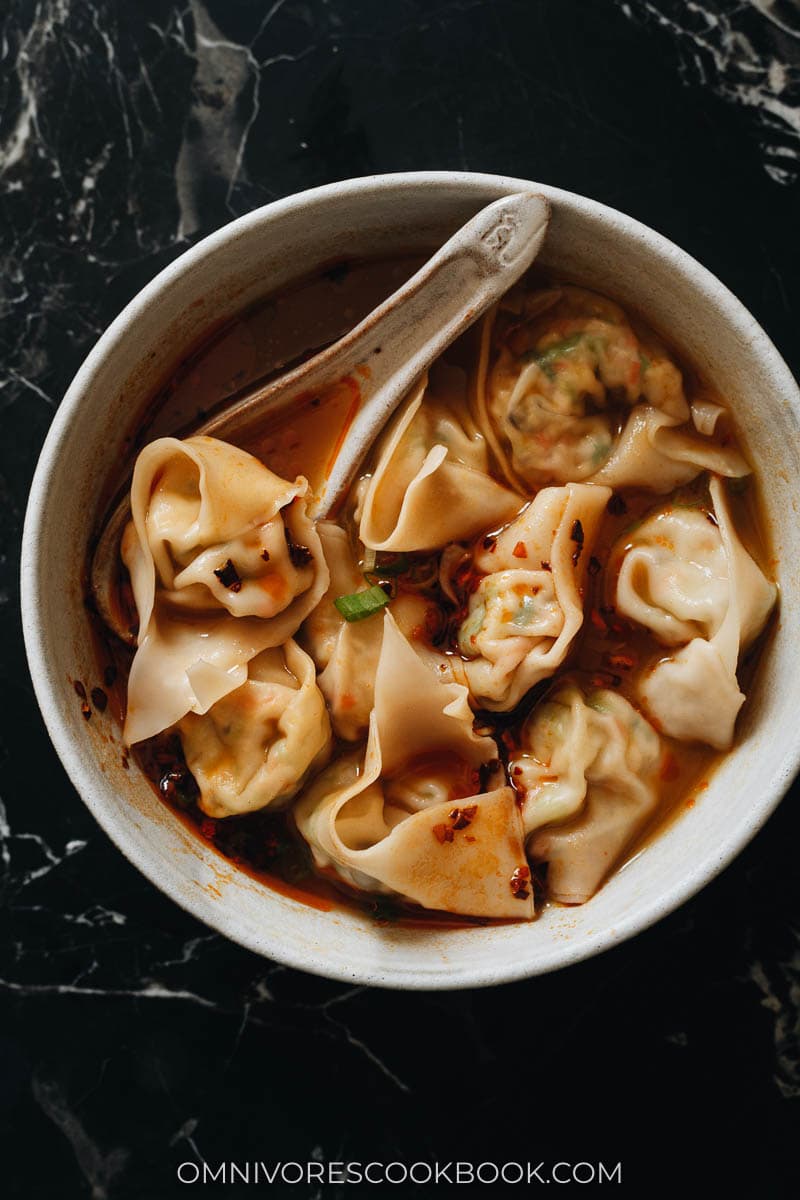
point(258, 254)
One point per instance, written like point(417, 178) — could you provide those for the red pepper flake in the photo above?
point(443, 833)
point(80, 689)
point(462, 817)
point(110, 676)
point(490, 543)
point(595, 566)
point(520, 883)
point(576, 535)
point(616, 506)
point(520, 550)
point(598, 621)
point(545, 566)
point(208, 828)
point(86, 711)
point(229, 576)
point(265, 555)
point(516, 772)
point(624, 662)
point(615, 624)
point(486, 773)
point(299, 556)
point(99, 699)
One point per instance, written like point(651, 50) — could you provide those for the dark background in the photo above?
point(133, 1038)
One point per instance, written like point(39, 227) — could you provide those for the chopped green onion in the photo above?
point(546, 358)
point(358, 605)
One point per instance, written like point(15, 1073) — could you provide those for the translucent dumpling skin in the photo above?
point(686, 576)
point(224, 563)
point(255, 747)
point(568, 391)
point(589, 777)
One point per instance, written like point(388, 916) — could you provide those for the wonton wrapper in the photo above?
point(347, 652)
point(590, 774)
point(255, 747)
point(524, 615)
point(554, 422)
point(431, 483)
point(385, 831)
point(654, 453)
point(693, 584)
point(197, 504)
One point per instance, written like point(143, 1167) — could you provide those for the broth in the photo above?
point(608, 652)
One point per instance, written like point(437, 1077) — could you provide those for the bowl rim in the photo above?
point(736, 315)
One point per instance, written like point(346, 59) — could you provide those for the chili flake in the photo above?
point(229, 576)
point(624, 661)
point(576, 536)
point(520, 881)
point(462, 817)
point(299, 556)
point(443, 833)
point(520, 550)
point(598, 621)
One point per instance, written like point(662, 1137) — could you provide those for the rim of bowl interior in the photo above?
point(661, 247)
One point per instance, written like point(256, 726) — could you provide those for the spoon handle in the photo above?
point(403, 335)
point(415, 325)
point(393, 346)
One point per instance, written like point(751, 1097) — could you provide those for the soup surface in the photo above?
point(521, 646)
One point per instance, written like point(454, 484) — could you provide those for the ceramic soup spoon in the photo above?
point(396, 343)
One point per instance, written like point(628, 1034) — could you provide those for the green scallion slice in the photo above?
point(546, 358)
point(358, 605)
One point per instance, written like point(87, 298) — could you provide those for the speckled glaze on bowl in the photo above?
point(259, 254)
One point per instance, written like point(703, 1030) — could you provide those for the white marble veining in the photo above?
point(748, 53)
point(126, 132)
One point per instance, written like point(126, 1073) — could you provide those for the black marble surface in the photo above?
point(132, 1038)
